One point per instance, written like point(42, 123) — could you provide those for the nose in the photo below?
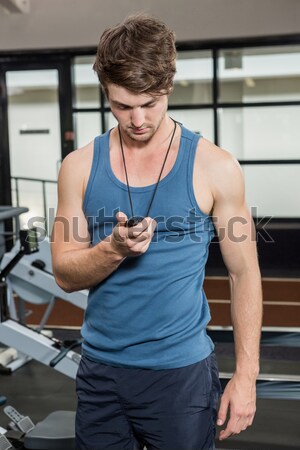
point(137, 117)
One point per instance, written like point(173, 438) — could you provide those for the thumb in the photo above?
point(222, 414)
point(121, 217)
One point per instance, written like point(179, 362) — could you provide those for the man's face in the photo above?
point(139, 115)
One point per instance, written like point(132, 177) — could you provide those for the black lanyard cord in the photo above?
point(157, 183)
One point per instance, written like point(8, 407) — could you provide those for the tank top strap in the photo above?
point(190, 144)
point(188, 133)
point(190, 140)
point(100, 144)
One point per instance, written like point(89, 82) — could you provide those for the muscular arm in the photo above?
point(83, 268)
point(77, 265)
point(236, 232)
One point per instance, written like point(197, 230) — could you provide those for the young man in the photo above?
point(134, 225)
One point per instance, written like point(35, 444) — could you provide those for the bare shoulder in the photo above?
point(79, 159)
point(215, 158)
point(221, 170)
point(77, 165)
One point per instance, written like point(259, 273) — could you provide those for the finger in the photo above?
point(231, 428)
point(153, 225)
point(120, 232)
point(238, 422)
point(240, 425)
point(121, 217)
point(235, 425)
point(135, 242)
point(250, 420)
point(138, 250)
point(149, 231)
point(223, 410)
point(137, 230)
point(244, 427)
point(141, 243)
point(145, 246)
point(118, 236)
point(225, 434)
point(145, 225)
point(148, 223)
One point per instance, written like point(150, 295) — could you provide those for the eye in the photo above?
point(123, 107)
point(151, 105)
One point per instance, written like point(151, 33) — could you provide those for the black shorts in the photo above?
point(129, 409)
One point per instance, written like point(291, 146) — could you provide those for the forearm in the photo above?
point(246, 314)
point(84, 268)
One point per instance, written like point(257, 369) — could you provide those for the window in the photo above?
point(259, 74)
point(258, 113)
point(87, 126)
point(87, 101)
point(273, 190)
point(249, 105)
point(193, 79)
point(260, 133)
point(86, 84)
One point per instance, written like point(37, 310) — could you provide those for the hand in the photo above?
point(133, 241)
point(240, 398)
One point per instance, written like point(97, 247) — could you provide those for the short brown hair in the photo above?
point(139, 54)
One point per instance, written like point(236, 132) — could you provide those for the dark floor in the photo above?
point(37, 390)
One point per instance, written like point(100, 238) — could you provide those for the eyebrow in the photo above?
point(115, 102)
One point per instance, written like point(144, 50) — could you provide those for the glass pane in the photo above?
point(87, 88)
point(193, 79)
point(273, 190)
point(260, 74)
point(197, 120)
point(34, 123)
point(110, 121)
point(261, 133)
point(87, 126)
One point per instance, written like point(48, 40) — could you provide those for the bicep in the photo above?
point(233, 222)
point(70, 231)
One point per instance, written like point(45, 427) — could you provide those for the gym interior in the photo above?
point(238, 84)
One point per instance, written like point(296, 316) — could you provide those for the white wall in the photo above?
point(76, 23)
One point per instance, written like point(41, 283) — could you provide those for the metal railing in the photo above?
point(43, 182)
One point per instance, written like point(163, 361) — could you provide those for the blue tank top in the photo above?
point(152, 311)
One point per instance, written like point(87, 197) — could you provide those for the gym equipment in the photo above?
point(277, 379)
point(271, 336)
point(31, 278)
point(24, 423)
point(9, 212)
point(55, 432)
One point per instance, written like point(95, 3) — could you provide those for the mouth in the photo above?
point(139, 130)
